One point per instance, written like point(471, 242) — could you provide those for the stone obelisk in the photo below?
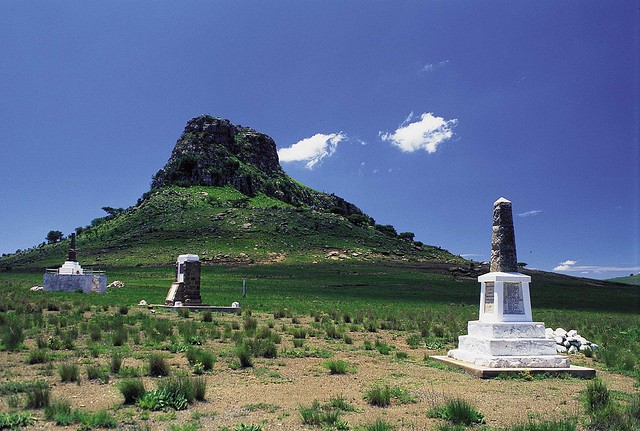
point(73, 257)
point(503, 238)
point(505, 335)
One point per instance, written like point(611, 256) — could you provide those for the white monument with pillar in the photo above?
point(505, 335)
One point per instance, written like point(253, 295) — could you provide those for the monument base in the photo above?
point(508, 345)
point(489, 373)
point(74, 283)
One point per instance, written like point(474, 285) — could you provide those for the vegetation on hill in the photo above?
point(223, 195)
point(222, 225)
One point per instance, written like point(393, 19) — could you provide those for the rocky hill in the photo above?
point(214, 152)
point(223, 195)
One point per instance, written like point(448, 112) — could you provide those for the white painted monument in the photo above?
point(505, 335)
point(71, 277)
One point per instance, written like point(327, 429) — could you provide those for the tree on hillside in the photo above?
point(113, 211)
point(407, 236)
point(54, 236)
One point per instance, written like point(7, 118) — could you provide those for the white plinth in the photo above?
point(504, 297)
point(508, 345)
point(70, 267)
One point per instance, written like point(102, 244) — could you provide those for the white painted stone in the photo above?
point(560, 332)
point(504, 297)
point(548, 332)
point(572, 350)
point(71, 267)
point(572, 333)
point(235, 305)
point(560, 349)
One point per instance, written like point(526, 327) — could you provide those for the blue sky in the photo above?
point(422, 113)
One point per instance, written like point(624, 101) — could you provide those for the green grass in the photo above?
point(458, 411)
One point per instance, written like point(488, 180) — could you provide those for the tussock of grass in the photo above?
point(458, 411)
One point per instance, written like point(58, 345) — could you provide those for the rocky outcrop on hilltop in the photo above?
point(214, 152)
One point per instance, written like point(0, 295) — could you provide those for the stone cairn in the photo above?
point(571, 342)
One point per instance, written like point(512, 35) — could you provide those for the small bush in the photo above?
point(598, 396)
point(250, 323)
point(244, 355)
point(183, 312)
point(379, 425)
point(39, 356)
point(15, 420)
point(318, 415)
point(378, 396)
point(158, 367)
point(69, 373)
point(203, 357)
point(37, 396)
point(123, 309)
point(179, 385)
point(13, 336)
point(116, 362)
point(132, 390)
point(95, 372)
point(207, 316)
point(383, 348)
point(248, 427)
point(297, 342)
point(120, 337)
point(200, 388)
point(337, 367)
point(458, 411)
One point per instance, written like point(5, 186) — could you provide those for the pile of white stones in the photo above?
point(571, 342)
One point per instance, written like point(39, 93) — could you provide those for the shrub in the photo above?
point(318, 415)
point(13, 336)
point(205, 358)
point(69, 373)
point(37, 357)
point(244, 355)
point(297, 342)
point(15, 420)
point(37, 396)
point(337, 367)
point(378, 396)
point(249, 427)
point(95, 372)
point(458, 411)
point(597, 395)
point(132, 390)
point(179, 385)
point(250, 323)
point(116, 362)
point(207, 316)
point(200, 388)
point(158, 366)
point(383, 348)
point(379, 425)
point(123, 309)
point(120, 336)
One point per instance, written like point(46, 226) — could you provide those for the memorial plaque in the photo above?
point(513, 298)
point(488, 297)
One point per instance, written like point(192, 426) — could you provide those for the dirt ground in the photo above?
point(270, 393)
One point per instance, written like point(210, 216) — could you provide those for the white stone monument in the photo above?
point(505, 336)
point(71, 277)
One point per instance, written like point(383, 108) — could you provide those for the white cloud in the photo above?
point(570, 266)
point(530, 213)
point(426, 134)
point(312, 150)
point(430, 67)
point(566, 265)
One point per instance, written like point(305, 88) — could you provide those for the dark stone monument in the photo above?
point(503, 238)
point(72, 249)
point(186, 289)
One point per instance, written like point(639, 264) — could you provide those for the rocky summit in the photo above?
point(215, 152)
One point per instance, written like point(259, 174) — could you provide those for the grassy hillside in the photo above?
point(632, 279)
point(222, 225)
